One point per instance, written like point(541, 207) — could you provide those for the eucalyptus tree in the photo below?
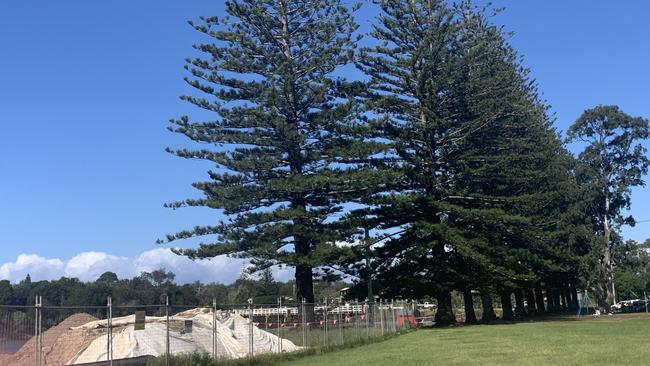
point(616, 161)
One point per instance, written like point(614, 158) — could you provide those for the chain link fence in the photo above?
point(41, 335)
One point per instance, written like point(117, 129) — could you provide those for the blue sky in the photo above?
point(87, 88)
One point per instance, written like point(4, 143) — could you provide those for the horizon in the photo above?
point(87, 111)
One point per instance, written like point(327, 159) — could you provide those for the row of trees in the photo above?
point(151, 288)
point(433, 167)
point(631, 261)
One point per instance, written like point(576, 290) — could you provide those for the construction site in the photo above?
point(58, 336)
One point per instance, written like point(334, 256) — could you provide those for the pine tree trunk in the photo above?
point(304, 274)
point(530, 299)
point(520, 308)
point(305, 290)
point(606, 299)
point(506, 305)
point(470, 315)
point(550, 299)
point(445, 313)
point(488, 308)
point(539, 298)
point(567, 297)
point(557, 299)
point(574, 297)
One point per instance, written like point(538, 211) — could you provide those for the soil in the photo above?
point(60, 344)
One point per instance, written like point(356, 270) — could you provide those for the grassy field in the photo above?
point(621, 340)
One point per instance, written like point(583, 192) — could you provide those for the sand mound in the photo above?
point(60, 343)
point(82, 338)
point(233, 337)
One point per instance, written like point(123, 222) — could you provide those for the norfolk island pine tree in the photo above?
point(284, 135)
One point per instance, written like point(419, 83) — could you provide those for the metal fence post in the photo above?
point(36, 352)
point(279, 325)
point(392, 312)
point(214, 328)
point(375, 316)
point(167, 351)
point(407, 314)
point(302, 320)
point(109, 330)
point(381, 317)
point(38, 313)
point(367, 320)
point(340, 326)
point(108, 327)
point(387, 316)
point(326, 335)
point(40, 330)
point(357, 310)
point(250, 328)
point(389, 312)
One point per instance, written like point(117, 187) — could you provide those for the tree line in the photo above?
point(152, 288)
point(416, 160)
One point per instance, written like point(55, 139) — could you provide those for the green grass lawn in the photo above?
point(621, 340)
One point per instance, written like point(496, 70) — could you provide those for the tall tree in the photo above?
point(500, 170)
point(482, 174)
point(616, 161)
point(410, 94)
point(284, 138)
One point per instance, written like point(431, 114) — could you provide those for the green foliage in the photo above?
point(283, 134)
point(413, 96)
point(629, 285)
point(6, 292)
point(476, 195)
point(109, 278)
point(631, 270)
point(442, 170)
point(143, 290)
point(614, 161)
point(614, 156)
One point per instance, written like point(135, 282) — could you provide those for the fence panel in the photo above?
point(67, 330)
point(17, 330)
point(56, 336)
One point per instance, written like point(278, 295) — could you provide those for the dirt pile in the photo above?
point(82, 338)
point(60, 343)
point(232, 337)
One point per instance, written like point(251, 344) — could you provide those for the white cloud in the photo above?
point(36, 266)
point(87, 266)
point(220, 269)
point(283, 273)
